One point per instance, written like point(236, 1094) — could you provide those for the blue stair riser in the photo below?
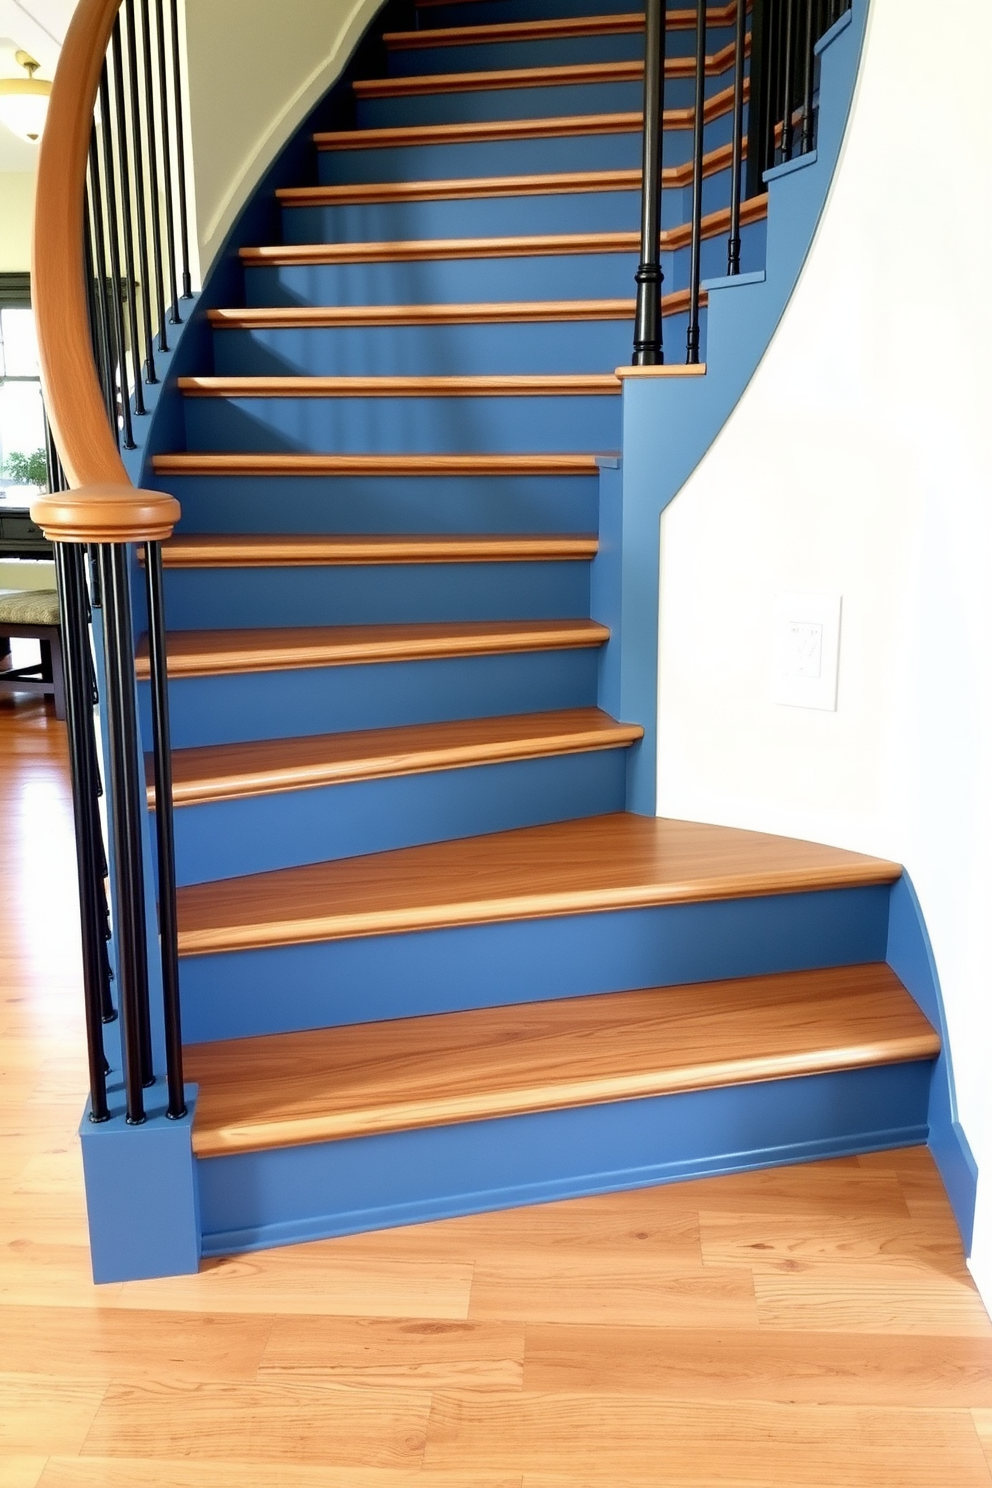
point(274, 705)
point(557, 212)
point(436, 971)
point(496, 12)
point(472, 425)
point(525, 103)
point(379, 504)
point(232, 598)
point(427, 350)
point(284, 1195)
point(227, 838)
point(496, 56)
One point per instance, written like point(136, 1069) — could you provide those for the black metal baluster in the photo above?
point(146, 47)
point(809, 58)
point(734, 241)
point(122, 737)
point(648, 349)
point(788, 73)
point(692, 334)
point(170, 217)
point(760, 128)
point(164, 833)
point(127, 231)
point(180, 151)
point(79, 722)
point(114, 245)
point(96, 298)
point(138, 162)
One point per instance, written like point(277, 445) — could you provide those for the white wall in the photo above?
point(859, 463)
point(256, 68)
point(16, 213)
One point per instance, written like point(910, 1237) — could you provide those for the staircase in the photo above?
point(429, 962)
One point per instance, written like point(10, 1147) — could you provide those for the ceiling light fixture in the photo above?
point(24, 101)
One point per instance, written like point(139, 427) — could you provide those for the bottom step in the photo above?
point(302, 1136)
point(327, 1084)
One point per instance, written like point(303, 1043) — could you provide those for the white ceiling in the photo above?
point(36, 26)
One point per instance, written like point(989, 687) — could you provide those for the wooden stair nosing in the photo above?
point(328, 1084)
point(508, 312)
point(599, 863)
point(210, 653)
point(502, 31)
point(539, 245)
point(308, 550)
point(226, 772)
point(223, 463)
point(393, 136)
point(525, 385)
point(569, 75)
point(471, 188)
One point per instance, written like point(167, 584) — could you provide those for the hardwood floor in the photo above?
point(810, 1326)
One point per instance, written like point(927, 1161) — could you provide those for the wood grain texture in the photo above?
point(576, 867)
point(330, 1083)
point(522, 312)
point(369, 465)
point(208, 653)
point(420, 250)
point(106, 514)
point(527, 385)
point(224, 772)
point(266, 550)
point(557, 30)
point(572, 74)
point(562, 125)
point(663, 369)
point(464, 188)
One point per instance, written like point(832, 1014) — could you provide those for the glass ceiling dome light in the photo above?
point(24, 101)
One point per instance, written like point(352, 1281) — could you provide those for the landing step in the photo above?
point(557, 183)
point(539, 385)
point(209, 653)
point(514, 312)
point(369, 465)
point(224, 772)
point(256, 550)
point(420, 249)
point(327, 1084)
point(619, 861)
point(626, 122)
point(573, 74)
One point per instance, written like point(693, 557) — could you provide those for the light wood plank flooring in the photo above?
point(812, 1326)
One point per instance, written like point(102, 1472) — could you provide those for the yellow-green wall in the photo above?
point(16, 208)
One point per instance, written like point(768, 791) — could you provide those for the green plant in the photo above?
point(26, 469)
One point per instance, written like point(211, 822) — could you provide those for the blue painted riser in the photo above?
point(522, 103)
point(377, 504)
point(397, 976)
point(498, 216)
point(495, 56)
point(404, 425)
point(231, 598)
point(271, 1198)
point(228, 838)
point(274, 705)
point(494, 12)
point(433, 350)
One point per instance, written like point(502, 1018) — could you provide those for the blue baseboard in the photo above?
point(273, 1198)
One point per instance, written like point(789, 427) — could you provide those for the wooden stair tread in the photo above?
point(264, 550)
point(571, 74)
point(523, 311)
point(521, 246)
point(205, 653)
point(619, 861)
point(503, 31)
point(532, 385)
point(369, 465)
point(223, 772)
point(461, 188)
point(621, 122)
point(332, 1083)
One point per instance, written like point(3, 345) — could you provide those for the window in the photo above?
point(22, 417)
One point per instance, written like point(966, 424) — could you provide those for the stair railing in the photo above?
point(107, 281)
point(774, 75)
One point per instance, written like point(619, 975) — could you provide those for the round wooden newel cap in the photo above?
point(106, 514)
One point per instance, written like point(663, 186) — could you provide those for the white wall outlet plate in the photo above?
point(804, 650)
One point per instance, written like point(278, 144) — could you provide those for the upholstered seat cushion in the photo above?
point(29, 607)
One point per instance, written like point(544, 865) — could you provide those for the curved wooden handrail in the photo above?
point(73, 398)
